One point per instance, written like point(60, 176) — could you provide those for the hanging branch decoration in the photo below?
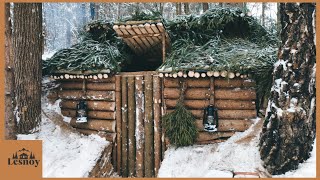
point(180, 125)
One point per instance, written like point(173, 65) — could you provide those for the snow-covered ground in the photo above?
point(65, 153)
point(238, 154)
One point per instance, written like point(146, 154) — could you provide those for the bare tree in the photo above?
point(186, 8)
point(289, 128)
point(178, 8)
point(27, 41)
point(10, 123)
point(263, 14)
point(205, 6)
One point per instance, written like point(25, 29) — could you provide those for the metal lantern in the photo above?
point(210, 119)
point(82, 112)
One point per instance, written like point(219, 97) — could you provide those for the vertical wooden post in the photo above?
point(131, 127)
point(124, 128)
point(118, 121)
point(139, 126)
point(163, 47)
point(212, 90)
point(157, 116)
point(149, 149)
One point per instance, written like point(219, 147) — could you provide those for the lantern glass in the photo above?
point(210, 119)
point(82, 112)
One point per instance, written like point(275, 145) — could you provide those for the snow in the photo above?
point(240, 153)
point(65, 153)
point(217, 160)
point(48, 55)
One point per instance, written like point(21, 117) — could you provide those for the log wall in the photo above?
point(140, 125)
point(234, 98)
point(126, 109)
point(100, 96)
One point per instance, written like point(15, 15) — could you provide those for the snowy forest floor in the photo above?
point(240, 153)
point(64, 149)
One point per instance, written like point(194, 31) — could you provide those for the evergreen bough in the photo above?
point(180, 126)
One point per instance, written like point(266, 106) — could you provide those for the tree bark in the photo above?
point(28, 65)
point(139, 129)
point(124, 128)
point(148, 122)
point(289, 128)
point(10, 122)
point(131, 127)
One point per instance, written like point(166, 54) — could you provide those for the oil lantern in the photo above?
point(210, 118)
point(82, 112)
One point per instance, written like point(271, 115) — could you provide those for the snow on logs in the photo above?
point(224, 74)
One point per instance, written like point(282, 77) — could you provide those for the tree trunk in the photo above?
point(289, 128)
point(28, 64)
point(10, 123)
point(97, 8)
point(68, 30)
point(161, 7)
point(205, 6)
point(178, 8)
point(92, 11)
point(263, 14)
point(186, 8)
point(278, 19)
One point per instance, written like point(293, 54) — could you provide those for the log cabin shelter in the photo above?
point(127, 106)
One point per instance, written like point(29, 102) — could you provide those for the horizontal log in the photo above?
point(225, 114)
point(108, 136)
point(190, 104)
point(220, 104)
point(237, 114)
point(105, 80)
point(228, 125)
point(236, 82)
point(92, 105)
point(210, 141)
point(206, 136)
point(191, 82)
point(239, 94)
point(89, 86)
point(190, 93)
point(93, 124)
point(91, 114)
point(88, 95)
point(234, 104)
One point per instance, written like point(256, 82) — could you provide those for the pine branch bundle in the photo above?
point(180, 126)
point(233, 55)
point(226, 22)
point(99, 49)
point(86, 55)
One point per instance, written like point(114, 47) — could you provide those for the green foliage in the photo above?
point(86, 55)
point(180, 126)
point(234, 55)
point(98, 49)
point(226, 22)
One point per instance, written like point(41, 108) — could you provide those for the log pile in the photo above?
point(234, 98)
point(196, 74)
point(100, 96)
